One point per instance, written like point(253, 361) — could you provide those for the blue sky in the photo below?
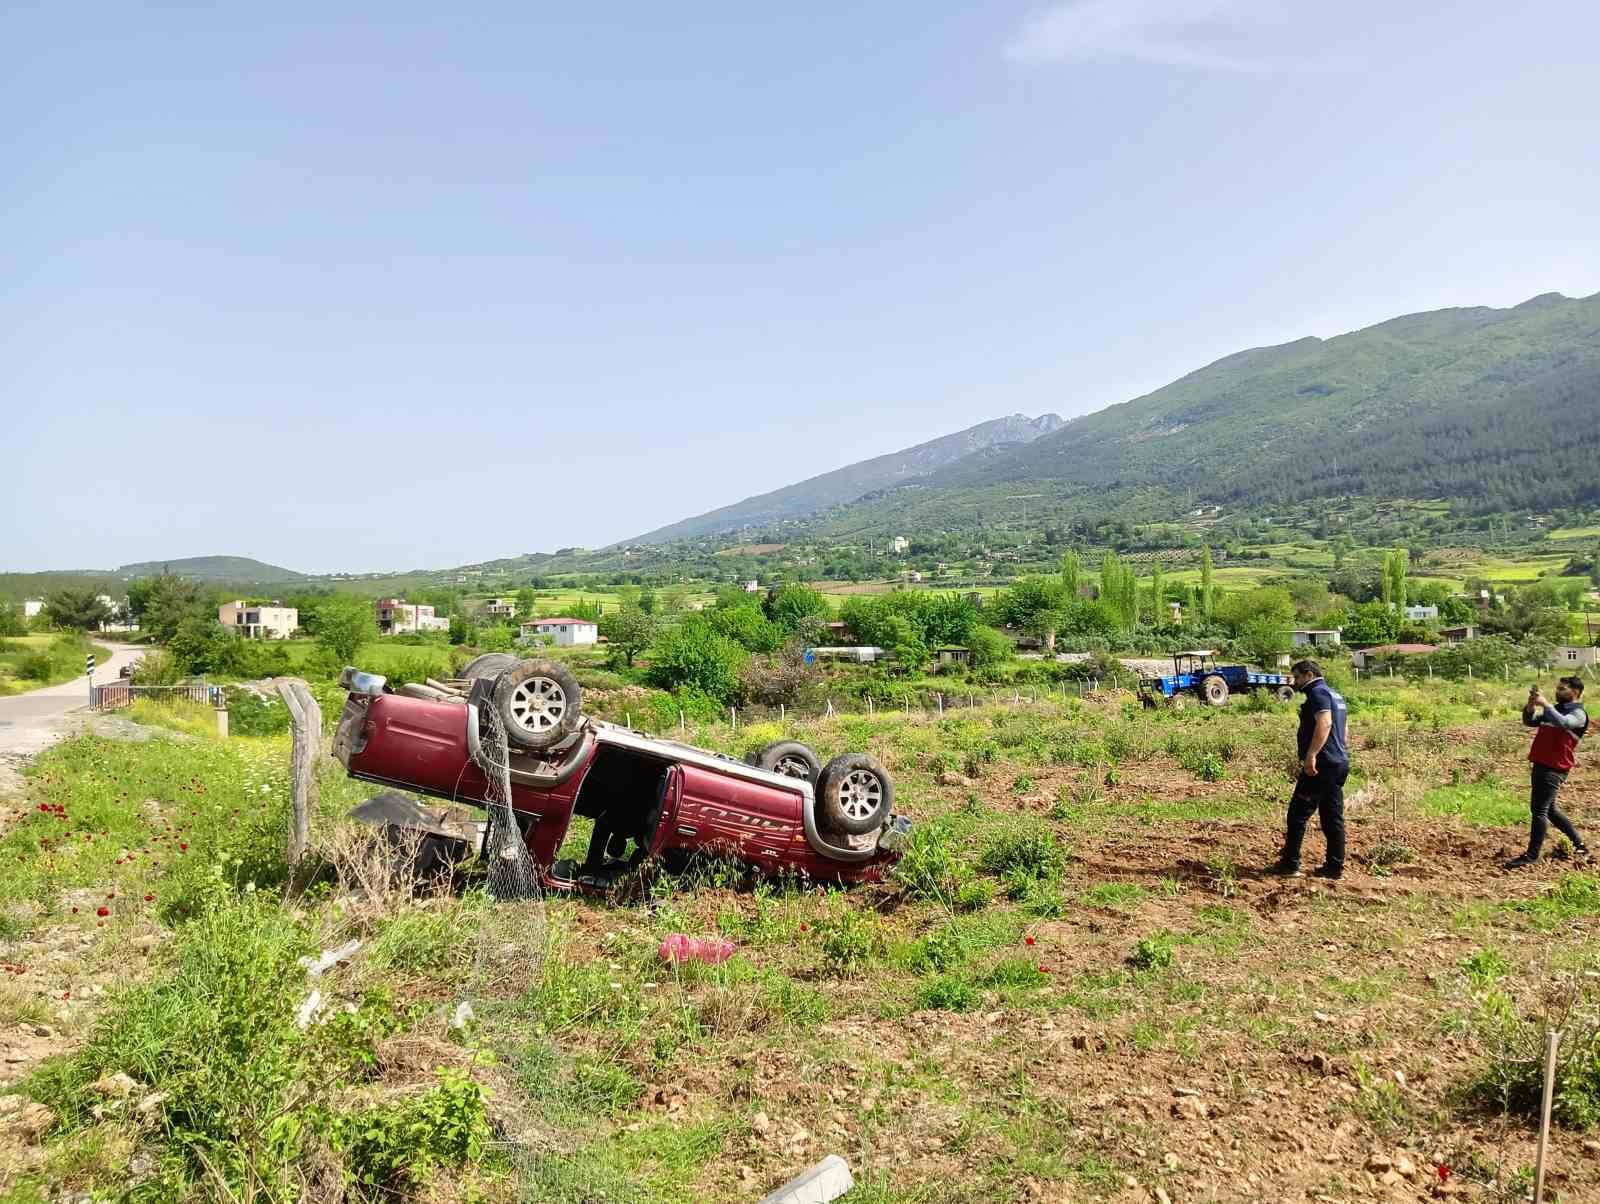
point(383, 286)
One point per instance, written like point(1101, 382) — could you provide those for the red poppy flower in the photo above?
point(148, 898)
point(1044, 969)
point(1444, 1172)
point(102, 911)
point(1027, 940)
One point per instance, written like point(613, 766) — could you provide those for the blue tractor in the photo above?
point(1197, 674)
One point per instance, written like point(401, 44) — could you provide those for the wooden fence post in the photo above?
point(1551, 1042)
point(305, 718)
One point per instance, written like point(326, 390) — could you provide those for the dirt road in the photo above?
point(33, 721)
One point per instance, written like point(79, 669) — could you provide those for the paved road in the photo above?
point(33, 721)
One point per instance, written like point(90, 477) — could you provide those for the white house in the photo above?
point(564, 633)
point(259, 622)
point(752, 586)
point(901, 544)
point(396, 616)
point(1575, 656)
point(1422, 614)
point(31, 607)
point(500, 608)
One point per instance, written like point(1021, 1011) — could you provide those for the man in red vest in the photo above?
point(1555, 747)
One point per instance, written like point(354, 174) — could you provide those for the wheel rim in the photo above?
point(792, 767)
point(860, 794)
point(538, 705)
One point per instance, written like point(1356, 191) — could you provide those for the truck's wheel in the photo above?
point(854, 795)
point(1215, 691)
point(1284, 693)
point(790, 758)
point(539, 703)
point(488, 664)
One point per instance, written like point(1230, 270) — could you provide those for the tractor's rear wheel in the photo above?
point(1215, 691)
point(1284, 693)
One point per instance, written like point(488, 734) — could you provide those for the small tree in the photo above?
point(629, 632)
point(79, 609)
point(695, 655)
point(1207, 595)
point(988, 648)
point(10, 620)
point(526, 599)
point(344, 623)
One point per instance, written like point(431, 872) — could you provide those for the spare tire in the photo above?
point(790, 758)
point(854, 795)
point(488, 664)
point(539, 703)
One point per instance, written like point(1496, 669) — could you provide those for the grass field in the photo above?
point(1079, 986)
point(55, 659)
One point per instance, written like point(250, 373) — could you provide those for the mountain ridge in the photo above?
point(842, 485)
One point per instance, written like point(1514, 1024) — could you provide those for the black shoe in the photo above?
point(1283, 869)
point(1581, 850)
point(1521, 863)
point(1328, 872)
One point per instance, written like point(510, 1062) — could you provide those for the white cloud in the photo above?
point(1180, 33)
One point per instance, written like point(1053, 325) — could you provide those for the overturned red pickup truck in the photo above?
point(780, 812)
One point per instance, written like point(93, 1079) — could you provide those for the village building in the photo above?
point(396, 616)
point(272, 622)
point(562, 632)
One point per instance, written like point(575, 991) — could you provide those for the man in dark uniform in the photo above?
point(1324, 766)
point(1555, 748)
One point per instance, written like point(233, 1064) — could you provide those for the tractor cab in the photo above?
point(1197, 663)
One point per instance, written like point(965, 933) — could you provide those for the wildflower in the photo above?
point(149, 898)
point(1027, 940)
point(1043, 969)
point(102, 911)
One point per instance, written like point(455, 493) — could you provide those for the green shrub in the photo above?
point(1510, 1077)
point(974, 894)
point(1152, 952)
point(1485, 967)
point(1024, 855)
point(251, 715)
point(949, 993)
point(35, 666)
point(927, 870)
point(849, 940)
point(943, 949)
point(391, 1150)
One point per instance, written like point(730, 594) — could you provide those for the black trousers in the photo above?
point(1542, 802)
point(1322, 796)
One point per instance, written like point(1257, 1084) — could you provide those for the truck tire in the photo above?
point(488, 664)
point(790, 758)
point(539, 703)
point(1284, 693)
point(854, 795)
point(1215, 691)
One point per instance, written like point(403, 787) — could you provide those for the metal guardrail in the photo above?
point(120, 694)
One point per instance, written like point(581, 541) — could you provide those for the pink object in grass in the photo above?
point(713, 950)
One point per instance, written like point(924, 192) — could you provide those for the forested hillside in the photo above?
point(1489, 409)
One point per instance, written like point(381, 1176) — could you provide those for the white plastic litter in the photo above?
point(462, 1016)
point(827, 1180)
point(308, 1009)
point(329, 959)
